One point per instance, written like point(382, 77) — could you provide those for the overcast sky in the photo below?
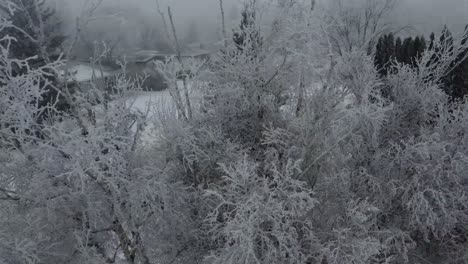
point(429, 15)
point(424, 15)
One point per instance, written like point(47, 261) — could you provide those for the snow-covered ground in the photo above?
point(158, 105)
point(85, 72)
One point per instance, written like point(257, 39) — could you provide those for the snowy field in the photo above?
point(158, 104)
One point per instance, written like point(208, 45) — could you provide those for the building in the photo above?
point(142, 63)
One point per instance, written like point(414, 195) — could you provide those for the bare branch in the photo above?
point(179, 58)
point(163, 18)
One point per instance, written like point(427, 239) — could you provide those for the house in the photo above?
point(141, 62)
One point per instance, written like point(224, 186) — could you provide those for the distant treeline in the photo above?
point(408, 51)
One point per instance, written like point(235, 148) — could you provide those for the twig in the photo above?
point(276, 72)
point(10, 195)
point(103, 230)
point(300, 98)
point(163, 18)
point(185, 247)
point(316, 160)
point(179, 58)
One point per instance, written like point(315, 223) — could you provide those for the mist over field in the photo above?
point(429, 15)
point(424, 16)
point(233, 131)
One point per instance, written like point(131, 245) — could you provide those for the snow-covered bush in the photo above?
point(262, 214)
point(78, 186)
point(408, 171)
point(245, 93)
point(292, 155)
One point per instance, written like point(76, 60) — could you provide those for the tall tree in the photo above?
point(446, 46)
point(407, 51)
point(431, 40)
point(35, 27)
point(446, 38)
point(422, 46)
point(38, 32)
point(385, 53)
point(389, 44)
point(357, 24)
point(405, 54)
point(460, 73)
point(380, 57)
point(412, 50)
point(248, 38)
point(398, 49)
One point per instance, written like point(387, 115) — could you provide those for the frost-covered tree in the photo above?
point(289, 155)
point(262, 218)
point(460, 86)
point(358, 24)
point(248, 38)
point(37, 29)
point(76, 190)
point(38, 36)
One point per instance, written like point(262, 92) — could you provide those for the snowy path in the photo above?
point(156, 104)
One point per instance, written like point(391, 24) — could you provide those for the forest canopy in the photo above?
point(320, 135)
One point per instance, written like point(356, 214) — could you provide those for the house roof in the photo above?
point(144, 56)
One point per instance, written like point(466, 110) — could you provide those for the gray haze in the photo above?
point(430, 15)
point(185, 11)
point(203, 15)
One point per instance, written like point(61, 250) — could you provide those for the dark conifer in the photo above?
point(406, 48)
point(398, 49)
point(432, 41)
point(460, 73)
point(379, 56)
point(248, 38)
point(26, 19)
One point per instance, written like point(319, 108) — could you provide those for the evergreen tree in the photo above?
point(398, 50)
point(390, 48)
point(431, 41)
point(422, 46)
point(379, 57)
point(414, 50)
point(406, 49)
point(385, 53)
point(424, 43)
point(27, 18)
point(432, 46)
point(460, 73)
point(248, 38)
point(446, 41)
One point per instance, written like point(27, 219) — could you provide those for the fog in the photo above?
point(185, 11)
point(198, 21)
point(430, 15)
point(424, 15)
